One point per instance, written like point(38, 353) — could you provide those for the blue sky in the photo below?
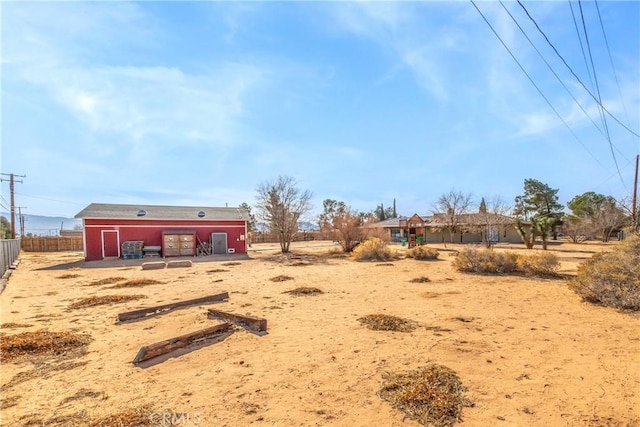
point(197, 103)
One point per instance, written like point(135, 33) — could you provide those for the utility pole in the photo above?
point(12, 182)
point(634, 205)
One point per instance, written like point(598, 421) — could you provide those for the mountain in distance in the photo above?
point(40, 225)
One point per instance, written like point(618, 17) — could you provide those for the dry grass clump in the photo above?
point(8, 402)
point(304, 291)
point(141, 416)
point(106, 281)
point(611, 278)
point(422, 279)
point(68, 276)
point(281, 278)
point(104, 300)
point(40, 343)
point(136, 283)
point(485, 261)
point(146, 416)
point(43, 369)
point(82, 394)
point(384, 322)
point(12, 325)
point(431, 395)
point(217, 270)
point(229, 264)
point(422, 253)
point(373, 249)
point(538, 264)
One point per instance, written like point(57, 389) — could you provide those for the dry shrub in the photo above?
point(373, 249)
point(229, 264)
point(422, 253)
point(304, 291)
point(384, 322)
point(611, 278)
point(538, 264)
point(422, 279)
point(104, 300)
point(40, 343)
point(107, 281)
point(281, 278)
point(430, 395)
point(136, 283)
point(217, 270)
point(485, 261)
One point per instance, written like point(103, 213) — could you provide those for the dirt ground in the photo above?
point(528, 350)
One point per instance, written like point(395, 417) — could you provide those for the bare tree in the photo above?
point(607, 217)
point(450, 206)
point(492, 219)
point(280, 204)
point(341, 224)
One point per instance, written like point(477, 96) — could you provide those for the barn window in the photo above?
point(142, 212)
point(201, 214)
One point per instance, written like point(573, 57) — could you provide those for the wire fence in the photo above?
point(9, 251)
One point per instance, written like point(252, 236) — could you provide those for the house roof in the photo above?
point(441, 221)
point(470, 219)
point(116, 211)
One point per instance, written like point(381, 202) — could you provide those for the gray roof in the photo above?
point(113, 211)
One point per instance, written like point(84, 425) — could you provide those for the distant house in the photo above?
point(470, 228)
point(172, 230)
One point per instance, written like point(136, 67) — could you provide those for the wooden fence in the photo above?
point(300, 236)
point(52, 244)
point(9, 250)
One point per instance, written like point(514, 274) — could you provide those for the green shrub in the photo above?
point(485, 261)
point(373, 249)
point(422, 252)
point(611, 278)
point(538, 264)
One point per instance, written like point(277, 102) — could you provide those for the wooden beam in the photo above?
point(172, 344)
point(161, 309)
point(256, 324)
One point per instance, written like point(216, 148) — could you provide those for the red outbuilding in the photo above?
point(113, 230)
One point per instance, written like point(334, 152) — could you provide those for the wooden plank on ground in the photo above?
point(161, 309)
point(172, 344)
point(257, 324)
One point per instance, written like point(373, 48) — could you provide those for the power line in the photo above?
point(615, 75)
point(536, 86)
point(550, 67)
point(595, 78)
point(584, 54)
point(573, 73)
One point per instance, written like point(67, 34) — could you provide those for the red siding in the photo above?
point(150, 231)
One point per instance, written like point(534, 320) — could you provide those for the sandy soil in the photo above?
point(528, 350)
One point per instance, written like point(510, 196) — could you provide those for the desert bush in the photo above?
point(485, 261)
point(611, 278)
point(373, 249)
point(538, 264)
point(423, 253)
